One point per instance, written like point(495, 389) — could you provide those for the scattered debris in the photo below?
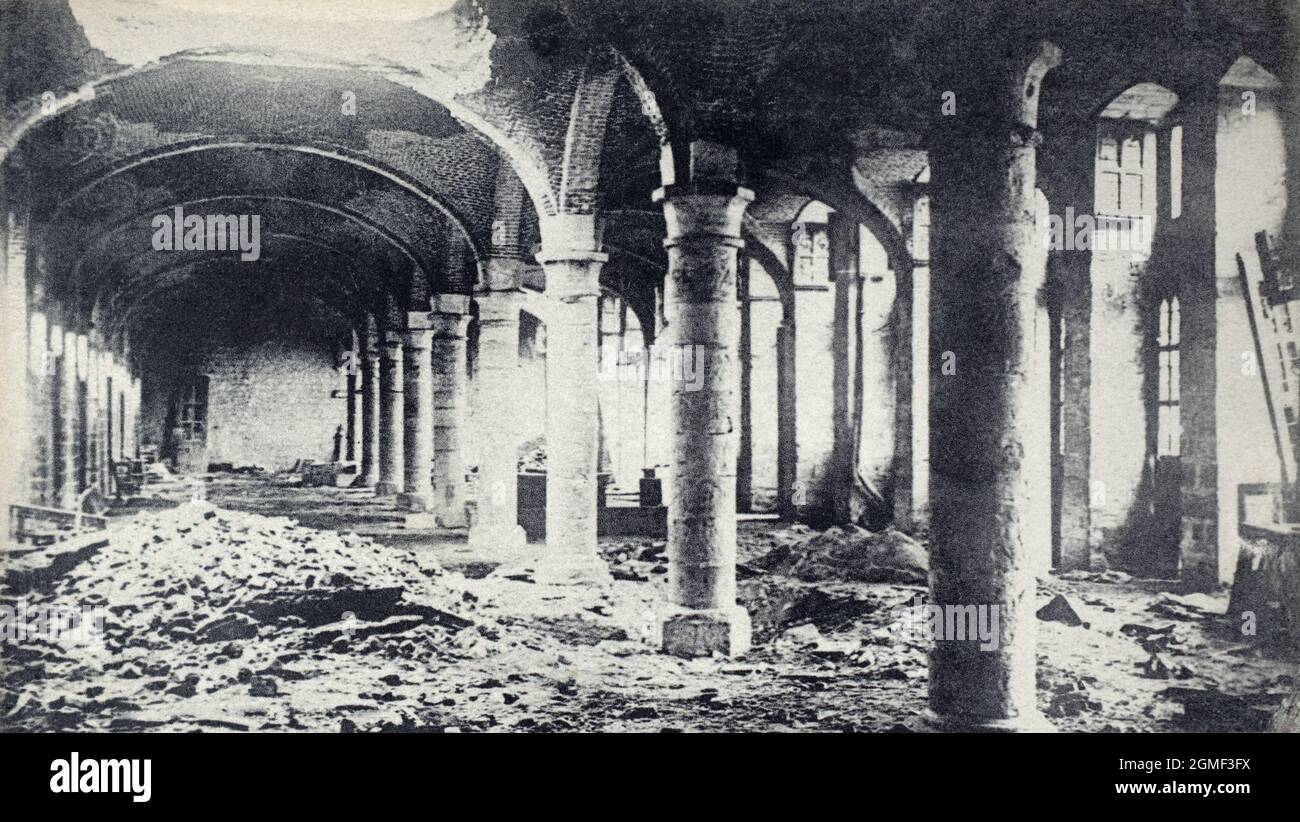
point(1189, 606)
point(1208, 710)
point(851, 554)
point(1079, 575)
point(1060, 610)
point(235, 621)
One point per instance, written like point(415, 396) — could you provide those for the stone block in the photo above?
point(704, 633)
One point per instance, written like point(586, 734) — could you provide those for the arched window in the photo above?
point(194, 409)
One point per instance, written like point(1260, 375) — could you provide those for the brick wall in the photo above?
point(269, 403)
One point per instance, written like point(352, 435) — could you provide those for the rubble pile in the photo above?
point(199, 601)
point(850, 554)
point(1115, 656)
point(223, 620)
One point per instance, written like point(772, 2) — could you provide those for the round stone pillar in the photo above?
point(703, 324)
point(572, 289)
point(391, 424)
point(450, 319)
point(417, 442)
point(64, 410)
point(350, 410)
point(500, 405)
point(368, 363)
point(989, 412)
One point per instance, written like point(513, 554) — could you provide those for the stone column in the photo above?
point(105, 464)
point(765, 313)
point(843, 236)
point(496, 512)
point(40, 368)
point(814, 343)
point(883, 430)
point(81, 415)
point(921, 367)
point(450, 319)
point(350, 411)
point(789, 491)
point(1067, 175)
point(417, 379)
point(390, 416)
point(368, 362)
point(989, 422)
point(14, 314)
point(134, 402)
point(702, 322)
point(572, 266)
point(92, 444)
point(65, 411)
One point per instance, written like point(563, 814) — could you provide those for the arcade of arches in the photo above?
point(698, 263)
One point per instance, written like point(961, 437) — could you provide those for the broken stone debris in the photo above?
point(1061, 610)
point(851, 554)
point(292, 628)
point(198, 600)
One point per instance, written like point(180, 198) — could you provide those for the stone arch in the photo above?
point(520, 150)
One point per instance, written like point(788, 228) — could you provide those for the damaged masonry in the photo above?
point(643, 366)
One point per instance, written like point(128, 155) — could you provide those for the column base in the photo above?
point(364, 481)
point(415, 502)
point(385, 489)
point(932, 722)
point(419, 520)
point(487, 542)
point(452, 519)
point(691, 633)
point(558, 568)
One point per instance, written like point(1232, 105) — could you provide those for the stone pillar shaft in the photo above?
point(391, 425)
point(988, 419)
point(368, 362)
point(702, 323)
point(450, 389)
point(845, 348)
point(496, 511)
point(417, 378)
point(104, 465)
point(42, 370)
point(350, 411)
point(63, 408)
point(134, 401)
point(572, 287)
point(15, 440)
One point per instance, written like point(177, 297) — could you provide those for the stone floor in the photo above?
point(471, 643)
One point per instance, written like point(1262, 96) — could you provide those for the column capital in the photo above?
point(572, 273)
point(416, 340)
point(449, 304)
point(570, 237)
point(448, 325)
point(499, 306)
point(503, 273)
point(418, 321)
point(392, 339)
point(704, 212)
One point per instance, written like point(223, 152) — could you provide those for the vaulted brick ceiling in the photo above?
point(576, 97)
